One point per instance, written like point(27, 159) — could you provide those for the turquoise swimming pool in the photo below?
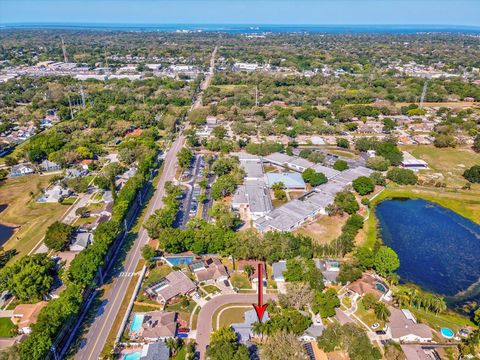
point(136, 323)
point(179, 260)
point(132, 356)
point(447, 333)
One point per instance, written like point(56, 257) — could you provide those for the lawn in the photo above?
point(451, 163)
point(232, 316)
point(157, 273)
point(6, 327)
point(33, 218)
point(240, 280)
point(210, 289)
point(324, 230)
point(368, 316)
point(343, 153)
point(449, 319)
point(183, 312)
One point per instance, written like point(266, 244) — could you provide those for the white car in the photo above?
point(375, 326)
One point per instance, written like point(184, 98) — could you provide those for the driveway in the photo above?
point(204, 327)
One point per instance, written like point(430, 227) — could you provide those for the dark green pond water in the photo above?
point(439, 250)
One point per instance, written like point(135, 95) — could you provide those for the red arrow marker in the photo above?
point(261, 307)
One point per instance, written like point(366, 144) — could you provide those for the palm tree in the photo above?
point(258, 328)
point(248, 269)
point(382, 312)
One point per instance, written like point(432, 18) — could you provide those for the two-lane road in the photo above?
point(205, 317)
point(94, 342)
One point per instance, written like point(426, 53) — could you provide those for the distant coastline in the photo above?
point(251, 28)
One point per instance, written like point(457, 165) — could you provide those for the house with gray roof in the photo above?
point(47, 165)
point(155, 351)
point(21, 170)
point(80, 241)
point(278, 268)
point(244, 330)
point(174, 284)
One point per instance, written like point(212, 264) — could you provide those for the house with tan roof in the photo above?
point(370, 284)
point(403, 327)
point(159, 325)
point(25, 315)
point(210, 270)
point(174, 284)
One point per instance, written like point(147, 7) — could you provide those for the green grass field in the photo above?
point(240, 280)
point(6, 327)
point(20, 194)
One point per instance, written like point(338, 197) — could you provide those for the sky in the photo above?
point(312, 12)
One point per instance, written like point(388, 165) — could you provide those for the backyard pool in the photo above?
point(447, 333)
point(132, 356)
point(179, 260)
point(380, 287)
point(136, 323)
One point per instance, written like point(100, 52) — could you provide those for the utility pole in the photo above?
point(256, 95)
point(64, 50)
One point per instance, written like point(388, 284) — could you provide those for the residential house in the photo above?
point(254, 273)
point(312, 333)
point(25, 315)
point(158, 325)
point(47, 165)
point(54, 194)
point(21, 170)
point(403, 327)
point(419, 352)
point(75, 173)
point(278, 268)
point(174, 284)
point(210, 270)
point(370, 284)
point(330, 270)
point(155, 351)
point(411, 162)
point(80, 241)
point(244, 330)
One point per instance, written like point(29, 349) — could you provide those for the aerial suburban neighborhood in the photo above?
point(157, 182)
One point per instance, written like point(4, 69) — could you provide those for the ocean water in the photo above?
point(252, 28)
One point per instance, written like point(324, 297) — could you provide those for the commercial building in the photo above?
point(290, 180)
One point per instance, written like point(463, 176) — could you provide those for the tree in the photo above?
point(223, 186)
point(30, 278)
point(349, 273)
point(224, 218)
point(299, 295)
point(280, 194)
point(340, 165)
point(369, 301)
point(223, 346)
point(316, 157)
point(472, 174)
point(325, 303)
point(388, 125)
point(219, 132)
point(148, 252)
point(378, 163)
point(402, 176)
point(363, 185)
point(365, 257)
point(476, 316)
point(444, 140)
point(82, 212)
point(58, 236)
point(378, 178)
point(248, 269)
point(390, 152)
point(305, 153)
point(381, 311)
point(343, 143)
point(386, 261)
point(345, 201)
point(283, 345)
point(314, 178)
point(184, 157)
point(476, 144)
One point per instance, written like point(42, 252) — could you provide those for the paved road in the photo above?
point(204, 327)
point(95, 339)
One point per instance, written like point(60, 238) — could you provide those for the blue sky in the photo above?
point(315, 12)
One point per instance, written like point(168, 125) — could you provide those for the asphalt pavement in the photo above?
point(93, 343)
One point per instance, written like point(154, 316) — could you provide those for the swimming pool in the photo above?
point(447, 333)
point(136, 323)
point(132, 356)
point(179, 260)
point(380, 287)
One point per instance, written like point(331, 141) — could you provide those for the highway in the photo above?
point(95, 339)
point(204, 327)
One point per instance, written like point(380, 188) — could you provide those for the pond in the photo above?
point(439, 250)
point(5, 231)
